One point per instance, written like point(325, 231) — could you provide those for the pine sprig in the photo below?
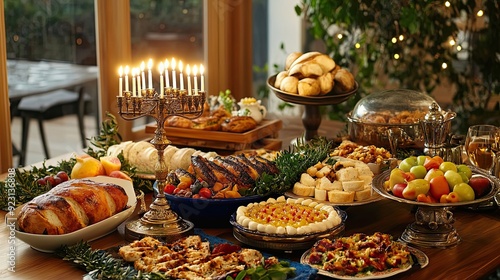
point(291, 164)
point(101, 264)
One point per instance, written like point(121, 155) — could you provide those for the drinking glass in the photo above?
point(481, 145)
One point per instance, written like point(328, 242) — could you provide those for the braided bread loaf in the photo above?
point(70, 206)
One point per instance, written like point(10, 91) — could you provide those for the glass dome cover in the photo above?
point(401, 106)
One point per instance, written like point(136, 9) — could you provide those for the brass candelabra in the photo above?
point(160, 221)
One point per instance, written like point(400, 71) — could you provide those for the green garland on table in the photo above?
point(101, 264)
point(25, 184)
point(291, 164)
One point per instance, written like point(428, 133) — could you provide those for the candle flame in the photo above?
point(180, 66)
point(166, 63)
point(202, 69)
point(195, 70)
point(120, 71)
point(188, 70)
point(173, 63)
point(160, 68)
point(143, 65)
point(150, 63)
point(126, 70)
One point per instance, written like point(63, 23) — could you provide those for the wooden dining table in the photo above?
point(476, 256)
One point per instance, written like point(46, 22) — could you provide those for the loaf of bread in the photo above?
point(239, 124)
point(70, 206)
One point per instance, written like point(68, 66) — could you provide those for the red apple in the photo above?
point(398, 188)
point(480, 185)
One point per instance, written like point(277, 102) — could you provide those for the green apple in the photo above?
point(419, 171)
point(397, 176)
point(453, 178)
point(464, 191)
point(421, 160)
point(462, 168)
point(416, 187)
point(434, 172)
point(407, 163)
point(447, 165)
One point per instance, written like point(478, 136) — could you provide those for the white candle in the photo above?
point(150, 75)
point(133, 81)
point(160, 68)
point(181, 78)
point(202, 82)
point(188, 72)
point(174, 80)
point(120, 83)
point(126, 77)
point(143, 65)
point(139, 89)
point(195, 73)
point(167, 80)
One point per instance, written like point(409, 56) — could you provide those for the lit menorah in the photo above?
point(160, 221)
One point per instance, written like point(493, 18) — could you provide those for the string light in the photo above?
point(480, 13)
point(401, 37)
point(444, 65)
point(396, 56)
point(339, 36)
point(447, 4)
point(394, 40)
point(452, 42)
point(357, 45)
point(459, 48)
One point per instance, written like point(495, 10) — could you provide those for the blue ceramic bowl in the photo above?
point(209, 213)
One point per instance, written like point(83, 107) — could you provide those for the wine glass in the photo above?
point(481, 145)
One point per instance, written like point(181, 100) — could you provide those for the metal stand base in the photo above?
point(432, 228)
point(159, 222)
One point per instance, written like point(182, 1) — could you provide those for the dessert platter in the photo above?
point(286, 224)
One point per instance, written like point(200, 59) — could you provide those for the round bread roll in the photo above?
point(325, 83)
point(291, 58)
point(308, 87)
point(344, 81)
point(304, 58)
point(326, 62)
point(168, 153)
point(279, 78)
point(306, 70)
point(289, 84)
point(181, 158)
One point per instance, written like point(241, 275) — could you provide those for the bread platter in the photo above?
point(50, 243)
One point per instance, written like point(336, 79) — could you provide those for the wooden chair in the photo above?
point(49, 106)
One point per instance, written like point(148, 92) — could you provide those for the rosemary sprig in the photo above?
point(291, 164)
point(101, 264)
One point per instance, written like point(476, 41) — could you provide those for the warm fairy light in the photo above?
point(394, 40)
point(459, 48)
point(452, 42)
point(396, 56)
point(401, 37)
point(447, 4)
point(357, 45)
point(444, 65)
point(339, 36)
point(480, 13)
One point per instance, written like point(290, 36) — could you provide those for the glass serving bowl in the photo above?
point(433, 226)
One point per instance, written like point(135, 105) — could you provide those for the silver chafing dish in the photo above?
point(394, 119)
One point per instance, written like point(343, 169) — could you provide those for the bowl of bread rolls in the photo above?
point(312, 78)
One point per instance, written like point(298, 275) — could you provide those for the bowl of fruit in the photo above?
point(435, 185)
